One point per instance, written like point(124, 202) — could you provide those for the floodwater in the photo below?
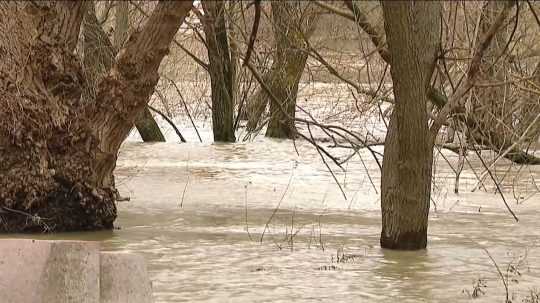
point(198, 211)
point(262, 221)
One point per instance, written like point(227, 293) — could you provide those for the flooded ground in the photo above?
point(196, 238)
point(198, 212)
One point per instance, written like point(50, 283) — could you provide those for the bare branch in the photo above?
point(199, 61)
point(171, 123)
point(336, 10)
point(254, 30)
point(376, 37)
point(474, 67)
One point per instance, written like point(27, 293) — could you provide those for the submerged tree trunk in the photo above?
point(412, 30)
point(290, 31)
point(146, 124)
point(148, 128)
point(221, 71)
point(58, 152)
point(291, 60)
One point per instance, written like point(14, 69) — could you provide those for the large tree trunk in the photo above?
point(221, 71)
point(58, 152)
point(290, 31)
point(412, 30)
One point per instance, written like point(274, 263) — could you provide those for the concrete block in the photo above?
point(124, 279)
point(33, 271)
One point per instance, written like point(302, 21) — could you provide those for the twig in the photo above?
point(376, 37)
point(505, 283)
point(277, 207)
point(336, 10)
point(510, 148)
point(325, 163)
point(534, 13)
point(320, 234)
point(254, 30)
point(187, 182)
point(185, 106)
point(333, 128)
point(496, 184)
point(246, 206)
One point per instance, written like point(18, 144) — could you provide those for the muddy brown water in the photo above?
point(197, 212)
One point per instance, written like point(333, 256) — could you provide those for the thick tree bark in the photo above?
point(58, 152)
point(221, 71)
point(286, 71)
point(46, 147)
point(121, 18)
point(97, 55)
point(412, 30)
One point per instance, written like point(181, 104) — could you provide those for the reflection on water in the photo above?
point(202, 251)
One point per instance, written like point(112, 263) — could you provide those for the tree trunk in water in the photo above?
point(58, 151)
point(146, 124)
point(287, 68)
point(412, 30)
point(148, 127)
point(221, 71)
point(44, 167)
point(291, 60)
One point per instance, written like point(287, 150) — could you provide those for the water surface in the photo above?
point(197, 212)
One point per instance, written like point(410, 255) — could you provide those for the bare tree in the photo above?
point(292, 23)
point(413, 34)
point(221, 69)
